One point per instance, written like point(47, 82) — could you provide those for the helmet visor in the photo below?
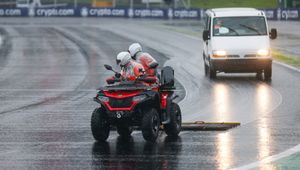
point(118, 61)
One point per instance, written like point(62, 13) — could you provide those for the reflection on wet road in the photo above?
point(224, 147)
point(49, 74)
point(221, 102)
point(126, 154)
point(263, 103)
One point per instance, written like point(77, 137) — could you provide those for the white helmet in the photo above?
point(134, 49)
point(123, 58)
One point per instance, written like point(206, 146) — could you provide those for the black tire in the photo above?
point(99, 124)
point(259, 75)
point(206, 69)
point(150, 125)
point(124, 131)
point(268, 72)
point(212, 73)
point(174, 127)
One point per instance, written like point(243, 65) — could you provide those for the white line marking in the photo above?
point(270, 158)
point(1, 41)
point(287, 66)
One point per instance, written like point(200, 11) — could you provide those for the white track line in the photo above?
point(287, 66)
point(270, 159)
point(1, 41)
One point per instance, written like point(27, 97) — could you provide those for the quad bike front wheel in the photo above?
point(99, 124)
point(174, 127)
point(150, 125)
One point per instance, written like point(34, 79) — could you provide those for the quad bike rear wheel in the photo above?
point(124, 131)
point(174, 127)
point(99, 124)
point(150, 125)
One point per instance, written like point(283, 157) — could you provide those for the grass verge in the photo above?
point(234, 3)
point(288, 59)
point(194, 3)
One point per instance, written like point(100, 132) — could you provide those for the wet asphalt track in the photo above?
point(50, 68)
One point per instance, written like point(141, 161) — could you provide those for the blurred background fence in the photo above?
point(99, 3)
point(155, 3)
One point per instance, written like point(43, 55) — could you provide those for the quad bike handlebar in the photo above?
point(145, 79)
point(113, 80)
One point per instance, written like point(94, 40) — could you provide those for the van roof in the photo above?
point(225, 12)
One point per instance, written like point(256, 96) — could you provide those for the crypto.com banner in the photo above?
point(13, 12)
point(271, 14)
point(102, 12)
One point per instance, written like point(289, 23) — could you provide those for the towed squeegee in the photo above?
point(208, 126)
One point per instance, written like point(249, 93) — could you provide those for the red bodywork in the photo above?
point(121, 95)
point(163, 99)
point(120, 109)
point(127, 94)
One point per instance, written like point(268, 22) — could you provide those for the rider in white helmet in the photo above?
point(130, 70)
point(123, 58)
point(145, 59)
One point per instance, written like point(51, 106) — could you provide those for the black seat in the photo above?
point(167, 78)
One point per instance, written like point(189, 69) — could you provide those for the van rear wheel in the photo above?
point(206, 69)
point(212, 73)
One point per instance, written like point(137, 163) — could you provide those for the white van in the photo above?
point(236, 40)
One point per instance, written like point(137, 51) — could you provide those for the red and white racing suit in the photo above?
point(146, 60)
point(132, 71)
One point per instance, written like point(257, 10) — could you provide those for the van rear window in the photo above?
point(239, 26)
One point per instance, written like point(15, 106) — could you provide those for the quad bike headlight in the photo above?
point(103, 98)
point(139, 98)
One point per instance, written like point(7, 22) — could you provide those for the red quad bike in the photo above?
point(141, 104)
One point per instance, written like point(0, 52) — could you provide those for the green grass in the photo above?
point(290, 162)
point(234, 3)
point(288, 59)
point(66, 1)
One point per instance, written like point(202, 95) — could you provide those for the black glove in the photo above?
point(110, 81)
point(117, 75)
